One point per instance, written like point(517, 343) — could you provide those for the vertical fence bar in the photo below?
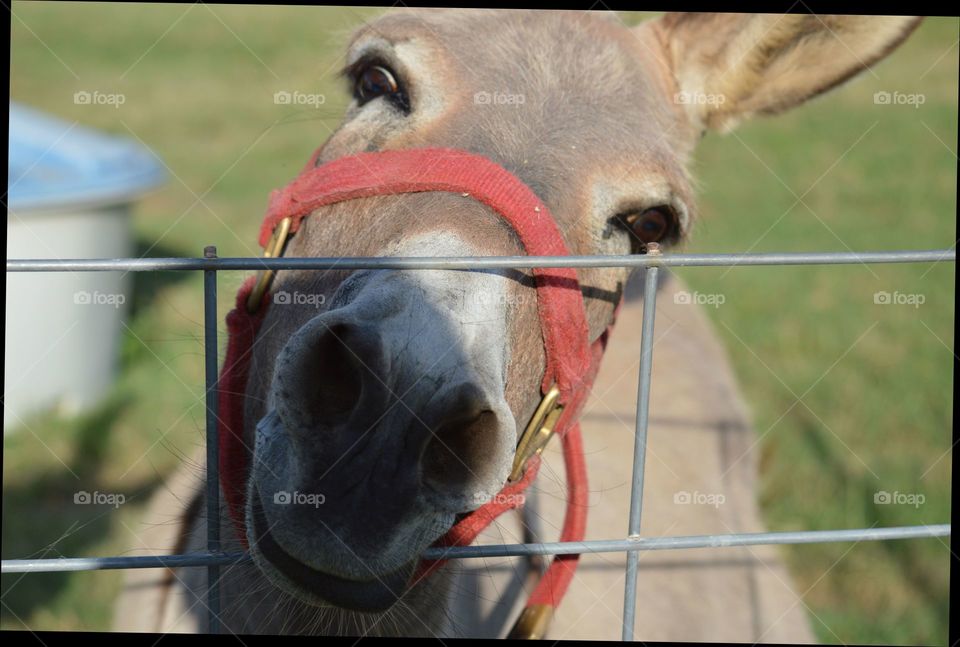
point(640, 444)
point(213, 453)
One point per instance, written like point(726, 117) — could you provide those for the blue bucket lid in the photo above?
point(53, 165)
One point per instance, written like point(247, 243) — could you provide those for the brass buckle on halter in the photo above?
point(532, 623)
point(272, 249)
point(538, 432)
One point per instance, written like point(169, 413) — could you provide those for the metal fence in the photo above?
point(213, 559)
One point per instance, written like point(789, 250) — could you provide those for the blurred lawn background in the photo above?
point(874, 382)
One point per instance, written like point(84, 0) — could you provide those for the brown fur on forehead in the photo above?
point(371, 226)
point(592, 94)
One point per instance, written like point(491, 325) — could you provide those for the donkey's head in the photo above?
point(390, 401)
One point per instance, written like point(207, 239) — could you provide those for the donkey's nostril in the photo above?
point(319, 380)
point(336, 383)
point(452, 451)
point(460, 457)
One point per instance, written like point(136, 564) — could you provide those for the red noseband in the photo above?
point(571, 360)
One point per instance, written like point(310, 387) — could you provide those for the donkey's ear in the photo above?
point(729, 67)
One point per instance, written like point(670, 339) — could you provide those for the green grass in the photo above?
point(875, 381)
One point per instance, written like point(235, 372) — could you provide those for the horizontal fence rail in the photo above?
point(474, 262)
point(213, 559)
point(503, 550)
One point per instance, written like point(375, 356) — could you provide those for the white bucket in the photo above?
point(71, 193)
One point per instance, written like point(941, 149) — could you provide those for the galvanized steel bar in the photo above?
point(506, 550)
point(63, 564)
point(213, 455)
point(640, 445)
point(475, 262)
point(637, 544)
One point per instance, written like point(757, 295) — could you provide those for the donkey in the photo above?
point(402, 397)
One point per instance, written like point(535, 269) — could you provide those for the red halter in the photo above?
point(571, 361)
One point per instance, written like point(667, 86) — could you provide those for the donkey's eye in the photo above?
point(375, 81)
point(651, 225)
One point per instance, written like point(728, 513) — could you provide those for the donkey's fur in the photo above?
point(608, 120)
